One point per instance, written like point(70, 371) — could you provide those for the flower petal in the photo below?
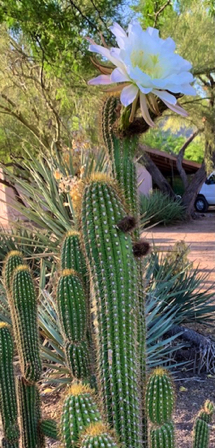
point(176, 108)
point(165, 96)
point(144, 89)
point(128, 95)
point(117, 30)
point(101, 79)
point(105, 52)
point(188, 90)
point(144, 110)
point(153, 32)
point(118, 76)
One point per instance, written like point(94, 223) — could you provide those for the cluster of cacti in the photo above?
point(159, 403)
point(108, 233)
point(201, 431)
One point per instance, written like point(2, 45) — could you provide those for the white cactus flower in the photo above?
point(147, 67)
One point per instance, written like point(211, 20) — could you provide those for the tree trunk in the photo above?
point(192, 190)
point(180, 156)
point(157, 176)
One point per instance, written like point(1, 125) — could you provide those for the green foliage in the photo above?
point(8, 404)
point(171, 143)
point(159, 208)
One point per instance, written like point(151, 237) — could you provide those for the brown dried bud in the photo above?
point(141, 248)
point(126, 224)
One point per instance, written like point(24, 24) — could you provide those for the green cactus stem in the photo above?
point(121, 152)
point(71, 255)
point(162, 436)
point(12, 260)
point(97, 436)
point(8, 404)
point(79, 411)
point(78, 359)
point(71, 305)
point(201, 430)
point(49, 428)
point(114, 277)
point(159, 398)
point(24, 306)
point(30, 416)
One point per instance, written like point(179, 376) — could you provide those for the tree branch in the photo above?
point(156, 174)
point(160, 11)
point(180, 157)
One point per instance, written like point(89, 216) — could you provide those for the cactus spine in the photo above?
point(29, 410)
point(97, 436)
point(114, 277)
point(79, 411)
point(159, 401)
point(24, 310)
point(8, 404)
point(73, 317)
point(202, 426)
point(49, 429)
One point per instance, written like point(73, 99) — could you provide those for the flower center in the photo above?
point(148, 63)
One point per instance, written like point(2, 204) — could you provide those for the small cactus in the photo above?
point(8, 404)
point(97, 436)
point(30, 415)
point(24, 310)
point(162, 436)
point(159, 403)
point(79, 411)
point(49, 428)
point(202, 423)
point(159, 397)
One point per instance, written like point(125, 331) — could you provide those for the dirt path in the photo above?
point(198, 234)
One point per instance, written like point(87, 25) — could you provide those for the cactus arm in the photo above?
point(79, 411)
point(24, 306)
point(8, 404)
point(12, 260)
point(201, 430)
point(29, 411)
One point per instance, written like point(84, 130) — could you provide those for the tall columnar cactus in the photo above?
point(6, 444)
point(30, 415)
point(73, 317)
point(121, 153)
point(8, 404)
point(201, 431)
point(114, 277)
point(12, 260)
point(24, 310)
point(159, 403)
point(79, 411)
point(97, 436)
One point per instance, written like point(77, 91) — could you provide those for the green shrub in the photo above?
point(159, 208)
